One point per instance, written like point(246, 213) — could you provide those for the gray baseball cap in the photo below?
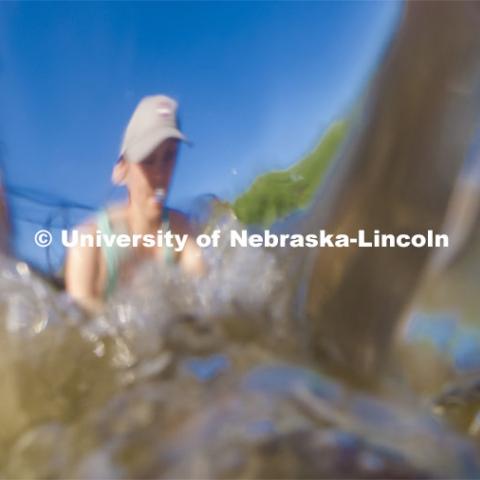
point(153, 121)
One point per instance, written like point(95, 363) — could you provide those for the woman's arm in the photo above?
point(81, 274)
point(191, 258)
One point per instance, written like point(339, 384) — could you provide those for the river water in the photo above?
point(200, 379)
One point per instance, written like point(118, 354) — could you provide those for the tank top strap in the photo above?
point(112, 254)
point(168, 255)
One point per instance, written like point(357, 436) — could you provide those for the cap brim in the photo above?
point(139, 151)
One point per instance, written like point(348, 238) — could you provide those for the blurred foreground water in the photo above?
point(280, 364)
point(180, 379)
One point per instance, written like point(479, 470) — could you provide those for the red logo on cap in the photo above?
point(164, 109)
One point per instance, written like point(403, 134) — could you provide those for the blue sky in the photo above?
point(257, 83)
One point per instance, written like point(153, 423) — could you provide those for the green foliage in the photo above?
point(277, 194)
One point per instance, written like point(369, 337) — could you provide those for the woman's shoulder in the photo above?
point(180, 221)
point(116, 212)
point(111, 213)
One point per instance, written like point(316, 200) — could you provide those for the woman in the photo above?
point(146, 164)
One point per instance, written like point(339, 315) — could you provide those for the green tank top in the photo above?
point(115, 255)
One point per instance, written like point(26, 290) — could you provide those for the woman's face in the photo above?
point(155, 172)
